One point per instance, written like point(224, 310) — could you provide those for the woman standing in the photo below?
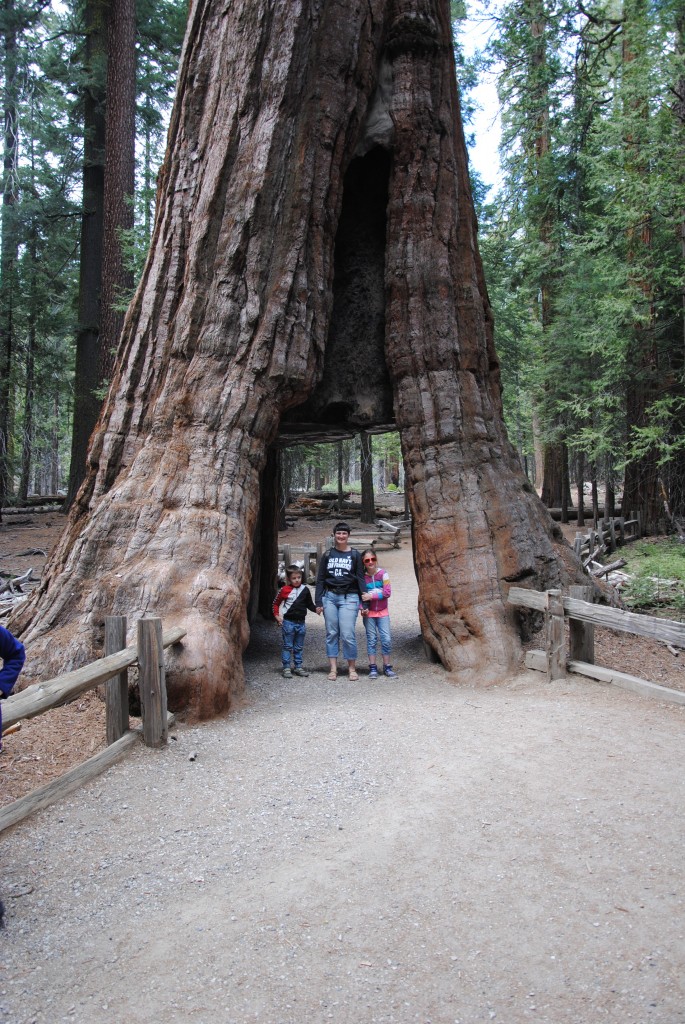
point(339, 589)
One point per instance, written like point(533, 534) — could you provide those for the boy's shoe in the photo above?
point(373, 672)
point(287, 674)
point(299, 671)
point(387, 671)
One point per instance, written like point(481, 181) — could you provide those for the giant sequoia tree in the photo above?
point(314, 262)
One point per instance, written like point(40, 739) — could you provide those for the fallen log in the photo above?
point(618, 564)
point(17, 581)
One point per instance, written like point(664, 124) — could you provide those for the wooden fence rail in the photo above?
point(148, 653)
point(583, 616)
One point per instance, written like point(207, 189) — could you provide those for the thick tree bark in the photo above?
point(230, 328)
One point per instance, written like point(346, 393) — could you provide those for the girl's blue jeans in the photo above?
point(340, 615)
point(375, 628)
point(293, 643)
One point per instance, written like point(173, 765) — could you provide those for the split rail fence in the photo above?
point(609, 534)
point(582, 617)
point(112, 669)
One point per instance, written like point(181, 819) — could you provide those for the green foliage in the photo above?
point(658, 568)
point(582, 246)
point(50, 82)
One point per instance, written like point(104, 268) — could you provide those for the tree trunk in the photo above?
point(368, 513)
point(580, 484)
point(87, 402)
point(9, 244)
point(30, 382)
point(231, 326)
point(641, 483)
point(120, 141)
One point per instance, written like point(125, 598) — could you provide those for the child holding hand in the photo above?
point(375, 613)
point(290, 609)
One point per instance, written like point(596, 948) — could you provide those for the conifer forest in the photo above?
point(582, 237)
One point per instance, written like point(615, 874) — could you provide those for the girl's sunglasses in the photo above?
point(370, 561)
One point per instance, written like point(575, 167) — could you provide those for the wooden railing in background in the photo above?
point(148, 653)
point(583, 616)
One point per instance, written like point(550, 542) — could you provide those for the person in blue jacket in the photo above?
point(13, 657)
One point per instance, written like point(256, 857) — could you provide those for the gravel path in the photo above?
point(355, 852)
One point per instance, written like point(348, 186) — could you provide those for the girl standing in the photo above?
point(376, 614)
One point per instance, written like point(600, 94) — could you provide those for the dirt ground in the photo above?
point(399, 851)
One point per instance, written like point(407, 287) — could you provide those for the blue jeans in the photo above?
point(293, 643)
point(377, 627)
point(340, 615)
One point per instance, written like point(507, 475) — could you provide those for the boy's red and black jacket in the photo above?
point(292, 604)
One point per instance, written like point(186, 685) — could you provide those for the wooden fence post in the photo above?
point(554, 627)
point(152, 682)
point(116, 689)
point(578, 543)
point(581, 634)
point(622, 529)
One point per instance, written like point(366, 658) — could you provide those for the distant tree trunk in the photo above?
point(120, 141)
point(341, 496)
point(641, 483)
point(9, 244)
point(594, 493)
point(556, 488)
point(368, 514)
point(30, 382)
point(609, 492)
point(580, 483)
point(87, 371)
point(54, 449)
point(231, 325)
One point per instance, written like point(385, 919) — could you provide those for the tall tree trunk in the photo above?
point(120, 141)
point(30, 382)
point(341, 496)
point(580, 484)
point(232, 326)
point(87, 401)
point(54, 447)
point(368, 513)
point(9, 244)
point(641, 483)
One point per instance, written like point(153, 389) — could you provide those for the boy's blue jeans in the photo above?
point(293, 643)
point(377, 627)
point(340, 615)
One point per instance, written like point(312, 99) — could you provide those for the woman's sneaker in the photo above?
point(300, 671)
point(387, 671)
point(287, 674)
point(373, 672)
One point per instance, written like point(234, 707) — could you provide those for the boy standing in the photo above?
point(290, 609)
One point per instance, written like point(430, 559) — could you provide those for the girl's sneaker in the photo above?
point(373, 672)
point(299, 671)
point(387, 671)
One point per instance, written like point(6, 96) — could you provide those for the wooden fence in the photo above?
point(582, 617)
point(148, 654)
point(607, 536)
